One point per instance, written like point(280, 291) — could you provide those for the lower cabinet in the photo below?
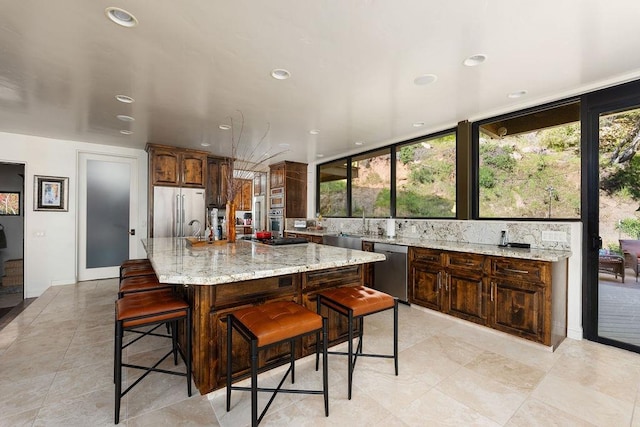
point(511, 295)
point(368, 268)
point(311, 238)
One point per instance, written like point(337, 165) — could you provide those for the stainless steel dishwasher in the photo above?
point(390, 276)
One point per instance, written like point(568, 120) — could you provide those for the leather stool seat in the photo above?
point(267, 325)
point(153, 309)
point(135, 262)
point(355, 303)
point(137, 270)
point(137, 284)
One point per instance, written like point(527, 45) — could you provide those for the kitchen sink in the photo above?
point(343, 241)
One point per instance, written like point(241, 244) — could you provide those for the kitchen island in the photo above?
point(218, 279)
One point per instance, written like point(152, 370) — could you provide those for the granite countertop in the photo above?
point(177, 263)
point(483, 249)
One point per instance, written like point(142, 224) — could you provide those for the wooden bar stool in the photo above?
point(135, 284)
point(267, 325)
point(355, 303)
point(150, 309)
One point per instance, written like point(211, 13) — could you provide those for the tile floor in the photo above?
point(56, 370)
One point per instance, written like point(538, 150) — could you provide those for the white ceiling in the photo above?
point(192, 65)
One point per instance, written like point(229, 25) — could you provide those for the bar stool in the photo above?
point(150, 309)
point(267, 325)
point(355, 303)
point(136, 284)
point(132, 269)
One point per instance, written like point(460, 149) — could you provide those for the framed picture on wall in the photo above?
point(9, 203)
point(51, 193)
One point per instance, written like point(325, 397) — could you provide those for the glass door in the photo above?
point(619, 226)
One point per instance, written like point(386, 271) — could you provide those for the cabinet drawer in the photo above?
point(473, 264)
point(350, 275)
point(256, 291)
point(425, 256)
point(512, 268)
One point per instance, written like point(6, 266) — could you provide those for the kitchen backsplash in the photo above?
point(542, 235)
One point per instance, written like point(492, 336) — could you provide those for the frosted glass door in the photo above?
point(107, 213)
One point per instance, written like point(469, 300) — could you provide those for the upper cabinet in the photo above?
point(292, 177)
point(217, 168)
point(176, 166)
point(244, 188)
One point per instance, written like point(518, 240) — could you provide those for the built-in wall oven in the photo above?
point(276, 221)
point(276, 198)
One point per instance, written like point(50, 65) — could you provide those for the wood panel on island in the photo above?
point(512, 295)
point(212, 304)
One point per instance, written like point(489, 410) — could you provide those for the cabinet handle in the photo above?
point(439, 281)
point(513, 270)
point(493, 285)
point(446, 282)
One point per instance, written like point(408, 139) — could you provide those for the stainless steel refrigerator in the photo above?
point(176, 210)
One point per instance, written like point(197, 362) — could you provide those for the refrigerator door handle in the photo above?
point(176, 231)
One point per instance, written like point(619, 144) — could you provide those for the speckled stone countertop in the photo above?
point(175, 262)
point(534, 254)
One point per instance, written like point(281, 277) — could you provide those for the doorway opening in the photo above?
point(12, 208)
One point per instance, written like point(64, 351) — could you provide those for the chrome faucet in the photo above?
point(198, 230)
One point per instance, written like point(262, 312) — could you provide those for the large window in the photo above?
point(529, 165)
point(333, 189)
point(371, 184)
point(426, 178)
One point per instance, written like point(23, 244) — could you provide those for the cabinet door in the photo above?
point(247, 195)
point(165, 166)
point(276, 178)
point(257, 185)
point(213, 183)
point(194, 166)
point(425, 285)
point(517, 307)
point(465, 297)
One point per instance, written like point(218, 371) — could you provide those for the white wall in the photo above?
point(50, 252)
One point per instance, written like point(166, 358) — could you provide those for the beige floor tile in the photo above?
point(585, 403)
point(18, 367)
point(437, 409)
point(81, 380)
point(534, 413)
point(91, 409)
point(487, 396)
point(23, 419)
point(194, 411)
point(21, 396)
point(507, 371)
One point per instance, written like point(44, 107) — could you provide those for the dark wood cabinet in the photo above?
point(520, 298)
point(244, 194)
point(217, 182)
point(425, 278)
point(464, 287)
point(259, 184)
point(292, 177)
point(511, 295)
point(171, 166)
point(311, 238)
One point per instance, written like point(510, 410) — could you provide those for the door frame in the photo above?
point(104, 272)
point(625, 96)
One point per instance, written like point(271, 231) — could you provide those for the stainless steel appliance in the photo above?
point(259, 214)
point(276, 222)
point(390, 276)
point(174, 208)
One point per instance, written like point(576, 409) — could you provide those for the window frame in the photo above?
point(475, 160)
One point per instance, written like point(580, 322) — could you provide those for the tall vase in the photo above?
point(231, 221)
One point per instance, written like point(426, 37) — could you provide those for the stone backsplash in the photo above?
point(540, 235)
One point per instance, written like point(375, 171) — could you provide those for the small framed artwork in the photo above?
point(9, 203)
point(51, 193)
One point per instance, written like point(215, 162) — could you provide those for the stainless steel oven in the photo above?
point(276, 198)
point(276, 222)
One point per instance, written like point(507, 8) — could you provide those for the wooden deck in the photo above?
point(619, 308)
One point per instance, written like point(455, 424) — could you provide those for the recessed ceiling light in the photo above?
point(319, 155)
point(205, 144)
point(418, 124)
point(474, 60)
point(284, 145)
point(126, 132)
point(121, 17)
point(517, 94)
point(280, 74)
point(425, 79)
point(124, 98)
point(125, 118)
point(224, 127)
point(359, 143)
point(314, 131)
